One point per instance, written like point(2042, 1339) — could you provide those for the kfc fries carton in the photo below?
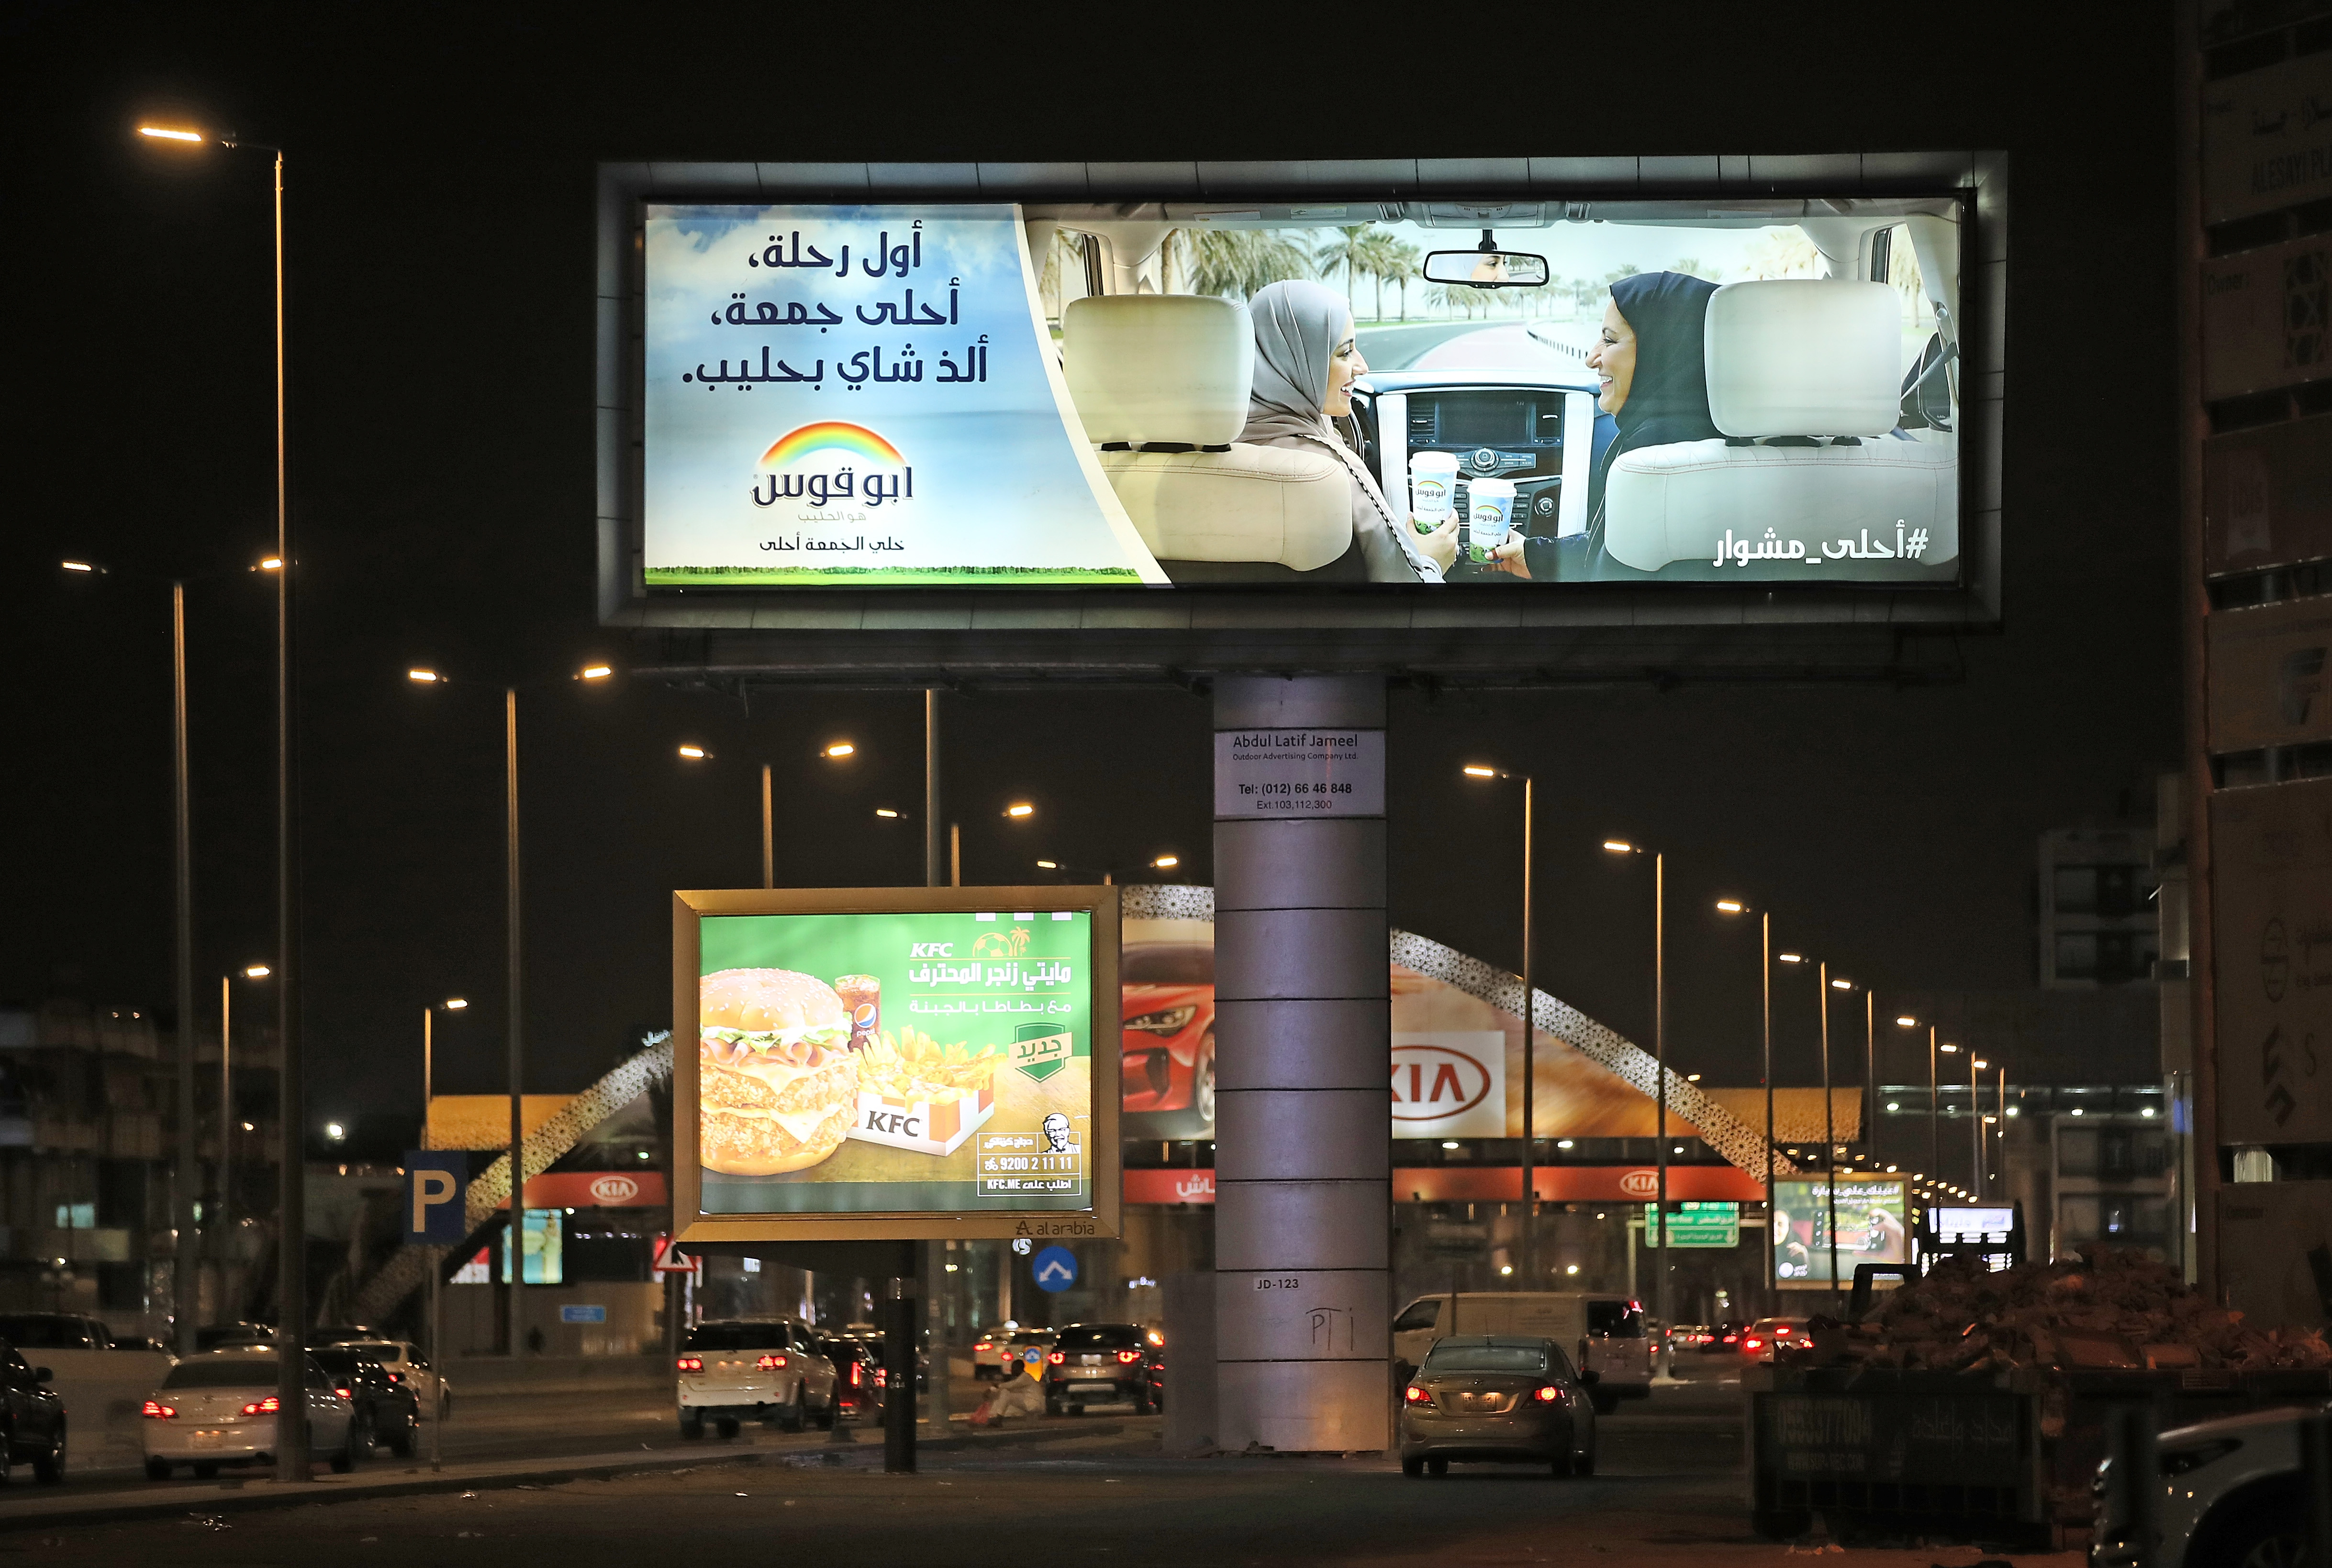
point(914, 1093)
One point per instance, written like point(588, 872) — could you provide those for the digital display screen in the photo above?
point(1000, 396)
point(887, 1062)
point(1871, 1227)
point(1968, 1225)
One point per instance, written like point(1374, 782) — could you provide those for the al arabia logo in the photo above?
point(615, 1190)
point(833, 463)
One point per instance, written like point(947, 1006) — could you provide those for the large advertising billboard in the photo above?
point(1872, 1212)
point(1432, 393)
point(896, 1063)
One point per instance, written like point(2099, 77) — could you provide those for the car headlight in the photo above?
point(1169, 1022)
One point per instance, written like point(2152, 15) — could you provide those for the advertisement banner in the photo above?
point(2267, 139)
point(2267, 675)
point(2271, 941)
point(917, 1065)
point(1872, 1213)
point(1001, 396)
point(2266, 497)
point(2265, 318)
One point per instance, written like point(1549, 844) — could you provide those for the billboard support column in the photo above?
point(1303, 1022)
point(899, 1377)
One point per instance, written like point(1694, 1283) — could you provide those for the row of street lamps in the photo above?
point(1826, 983)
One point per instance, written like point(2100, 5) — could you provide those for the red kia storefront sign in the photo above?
point(1475, 1184)
point(597, 1189)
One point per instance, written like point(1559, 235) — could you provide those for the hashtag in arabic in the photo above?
point(1918, 545)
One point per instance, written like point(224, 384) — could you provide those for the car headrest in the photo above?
point(1152, 368)
point(1804, 356)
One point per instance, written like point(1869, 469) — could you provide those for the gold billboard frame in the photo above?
point(1101, 1220)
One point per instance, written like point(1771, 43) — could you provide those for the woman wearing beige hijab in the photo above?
point(1306, 362)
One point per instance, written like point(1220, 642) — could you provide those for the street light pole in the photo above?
point(1935, 1125)
point(517, 1237)
point(1765, 979)
point(186, 1273)
point(1830, 1135)
point(931, 828)
point(1975, 1126)
point(1529, 1273)
point(1660, 1051)
point(769, 835)
point(1871, 1076)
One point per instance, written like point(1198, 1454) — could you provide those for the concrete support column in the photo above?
point(1303, 1120)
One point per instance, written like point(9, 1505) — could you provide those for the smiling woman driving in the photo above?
point(1652, 380)
point(1306, 362)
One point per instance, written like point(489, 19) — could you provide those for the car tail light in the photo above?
point(1056, 1358)
point(1753, 1344)
point(158, 1411)
point(691, 1364)
point(1129, 1356)
point(1782, 1331)
point(396, 1377)
point(882, 1377)
point(770, 1362)
point(1546, 1393)
point(857, 1375)
point(266, 1407)
point(1414, 1395)
point(343, 1393)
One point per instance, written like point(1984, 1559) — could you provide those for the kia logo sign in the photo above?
point(1644, 1184)
point(614, 1190)
point(1431, 1082)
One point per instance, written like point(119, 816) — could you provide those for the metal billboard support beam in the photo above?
point(1302, 1150)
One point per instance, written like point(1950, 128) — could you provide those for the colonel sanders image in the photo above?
point(1055, 1128)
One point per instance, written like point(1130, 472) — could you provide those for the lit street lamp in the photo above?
point(517, 1218)
point(1765, 988)
point(1661, 1054)
point(833, 751)
point(1529, 1255)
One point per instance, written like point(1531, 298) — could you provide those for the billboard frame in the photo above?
point(1102, 1221)
point(1502, 635)
point(1817, 1179)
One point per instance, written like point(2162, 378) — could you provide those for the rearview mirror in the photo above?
point(1590, 1378)
point(42, 1374)
point(1488, 269)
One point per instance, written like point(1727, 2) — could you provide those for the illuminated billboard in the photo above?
point(1447, 396)
point(895, 1063)
point(1871, 1210)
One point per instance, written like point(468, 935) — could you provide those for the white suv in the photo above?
point(738, 1370)
point(2230, 1496)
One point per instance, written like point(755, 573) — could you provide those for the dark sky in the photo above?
point(440, 251)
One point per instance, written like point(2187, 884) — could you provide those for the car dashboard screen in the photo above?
point(1421, 395)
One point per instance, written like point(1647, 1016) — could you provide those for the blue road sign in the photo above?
point(1055, 1268)
point(437, 1197)
point(571, 1313)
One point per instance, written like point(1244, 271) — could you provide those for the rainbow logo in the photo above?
point(834, 436)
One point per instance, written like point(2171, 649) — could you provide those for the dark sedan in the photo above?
point(1105, 1363)
point(1498, 1397)
point(857, 1375)
point(386, 1411)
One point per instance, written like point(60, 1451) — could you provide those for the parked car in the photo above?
point(737, 1370)
point(1693, 1337)
point(1725, 1340)
point(36, 1419)
point(405, 1363)
point(53, 1331)
point(387, 1410)
point(219, 1407)
point(2234, 1497)
point(859, 1378)
point(1767, 1334)
point(1103, 1362)
point(220, 1336)
point(1502, 1398)
point(999, 1350)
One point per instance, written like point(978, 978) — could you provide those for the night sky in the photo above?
point(441, 205)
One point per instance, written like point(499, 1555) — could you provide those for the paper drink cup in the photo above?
point(1432, 488)
point(1489, 514)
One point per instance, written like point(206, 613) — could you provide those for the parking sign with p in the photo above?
point(437, 1197)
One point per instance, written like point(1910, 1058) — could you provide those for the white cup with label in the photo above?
point(1432, 489)
point(1489, 515)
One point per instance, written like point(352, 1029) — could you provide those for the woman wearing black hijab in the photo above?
point(1654, 386)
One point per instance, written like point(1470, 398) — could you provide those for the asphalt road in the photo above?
point(1094, 1491)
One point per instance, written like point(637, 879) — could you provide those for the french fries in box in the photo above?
point(914, 1093)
